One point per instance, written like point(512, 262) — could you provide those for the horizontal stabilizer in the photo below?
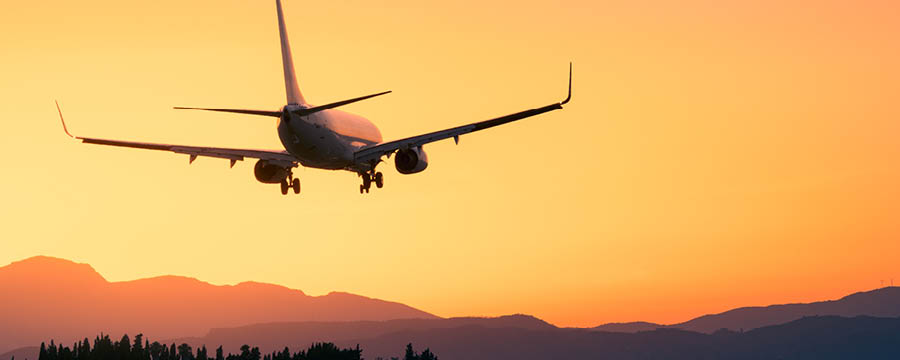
point(315, 109)
point(237, 111)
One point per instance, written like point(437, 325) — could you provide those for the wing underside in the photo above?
point(234, 155)
point(375, 152)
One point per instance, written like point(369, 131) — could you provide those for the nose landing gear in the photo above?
point(368, 179)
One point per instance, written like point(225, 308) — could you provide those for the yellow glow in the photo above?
point(715, 154)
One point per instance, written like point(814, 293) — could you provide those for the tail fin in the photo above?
point(294, 97)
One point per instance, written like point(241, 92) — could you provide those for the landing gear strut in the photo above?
point(368, 179)
point(290, 183)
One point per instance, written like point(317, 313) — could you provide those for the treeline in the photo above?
point(103, 348)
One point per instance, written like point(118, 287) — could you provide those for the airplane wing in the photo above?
point(279, 157)
point(375, 152)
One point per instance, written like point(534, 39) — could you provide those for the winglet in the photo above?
point(63, 121)
point(569, 97)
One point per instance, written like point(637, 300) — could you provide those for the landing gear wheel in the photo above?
point(367, 181)
point(284, 187)
point(379, 180)
point(362, 188)
point(296, 185)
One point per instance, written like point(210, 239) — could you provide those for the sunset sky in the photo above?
point(715, 154)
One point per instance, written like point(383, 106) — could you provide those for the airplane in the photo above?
point(323, 137)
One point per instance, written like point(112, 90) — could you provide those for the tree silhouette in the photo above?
point(141, 349)
point(138, 346)
point(185, 352)
point(412, 355)
point(427, 355)
point(327, 351)
point(123, 347)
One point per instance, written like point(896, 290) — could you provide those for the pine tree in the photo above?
point(65, 353)
point(185, 352)
point(164, 355)
point(85, 352)
point(123, 348)
point(410, 354)
point(156, 350)
point(137, 350)
point(427, 355)
point(51, 351)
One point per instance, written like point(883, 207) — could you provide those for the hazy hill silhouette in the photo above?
point(46, 297)
point(23, 353)
point(884, 302)
point(275, 336)
point(821, 337)
point(629, 327)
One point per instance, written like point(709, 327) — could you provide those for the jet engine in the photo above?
point(270, 173)
point(411, 161)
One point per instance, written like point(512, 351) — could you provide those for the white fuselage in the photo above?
point(326, 139)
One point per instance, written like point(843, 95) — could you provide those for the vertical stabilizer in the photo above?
point(294, 97)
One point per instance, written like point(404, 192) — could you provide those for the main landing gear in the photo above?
point(290, 183)
point(368, 179)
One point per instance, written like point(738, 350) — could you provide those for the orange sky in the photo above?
point(716, 154)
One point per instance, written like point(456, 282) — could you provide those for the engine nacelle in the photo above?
point(270, 173)
point(411, 161)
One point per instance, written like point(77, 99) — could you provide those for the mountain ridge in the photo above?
point(814, 337)
point(882, 302)
point(52, 298)
point(61, 299)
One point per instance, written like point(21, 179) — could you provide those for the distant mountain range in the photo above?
point(811, 338)
point(276, 336)
point(814, 338)
point(524, 337)
point(49, 298)
point(884, 302)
